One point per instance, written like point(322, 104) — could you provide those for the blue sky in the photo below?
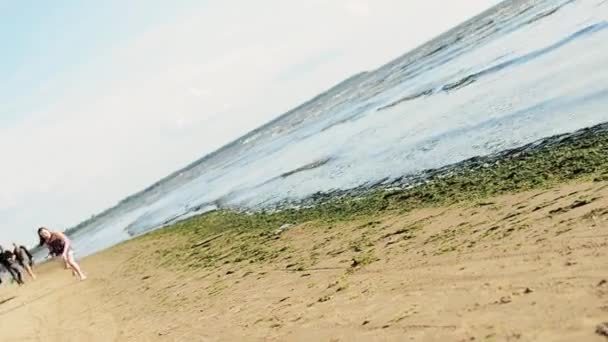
point(47, 39)
point(99, 99)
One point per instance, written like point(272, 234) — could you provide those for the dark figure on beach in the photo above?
point(7, 259)
point(25, 259)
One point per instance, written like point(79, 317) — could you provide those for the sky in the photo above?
point(99, 99)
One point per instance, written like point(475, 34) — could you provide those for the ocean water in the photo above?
point(519, 72)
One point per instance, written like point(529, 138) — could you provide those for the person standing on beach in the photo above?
point(7, 260)
point(24, 259)
point(60, 245)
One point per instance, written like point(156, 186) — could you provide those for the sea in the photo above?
point(516, 73)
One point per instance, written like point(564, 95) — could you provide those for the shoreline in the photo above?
point(538, 155)
point(534, 155)
point(578, 156)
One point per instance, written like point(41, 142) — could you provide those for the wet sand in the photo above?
point(530, 266)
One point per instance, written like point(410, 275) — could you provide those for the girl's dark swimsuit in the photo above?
point(56, 246)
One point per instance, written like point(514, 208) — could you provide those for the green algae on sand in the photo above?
point(582, 155)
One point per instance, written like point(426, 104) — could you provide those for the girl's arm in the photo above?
point(27, 252)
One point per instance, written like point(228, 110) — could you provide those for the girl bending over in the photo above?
point(59, 245)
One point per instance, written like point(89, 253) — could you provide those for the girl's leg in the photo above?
point(29, 271)
point(15, 273)
point(74, 265)
point(68, 267)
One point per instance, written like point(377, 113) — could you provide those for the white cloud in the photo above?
point(7, 200)
point(199, 92)
point(358, 8)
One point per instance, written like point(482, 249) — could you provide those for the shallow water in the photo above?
point(522, 71)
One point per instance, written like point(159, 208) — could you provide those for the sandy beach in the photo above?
point(306, 171)
point(529, 266)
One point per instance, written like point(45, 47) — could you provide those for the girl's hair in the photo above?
point(42, 240)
